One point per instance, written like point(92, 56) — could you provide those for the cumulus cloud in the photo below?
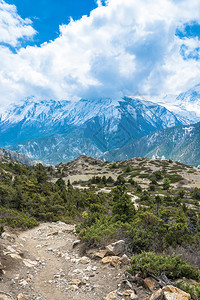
point(123, 47)
point(12, 26)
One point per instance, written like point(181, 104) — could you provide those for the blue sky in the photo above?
point(111, 49)
point(47, 15)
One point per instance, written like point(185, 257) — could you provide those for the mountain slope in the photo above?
point(181, 143)
point(17, 157)
point(186, 105)
point(44, 129)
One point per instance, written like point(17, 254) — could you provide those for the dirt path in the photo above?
point(44, 266)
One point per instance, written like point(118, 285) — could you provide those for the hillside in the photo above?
point(179, 143)
point(13, 155)
point(55, 131)
point(148, 208)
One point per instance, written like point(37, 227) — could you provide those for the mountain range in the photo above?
point(60, 131)
point(186, 105)
point(55, 131)
point(180, 143)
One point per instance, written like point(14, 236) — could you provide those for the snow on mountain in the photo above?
point(186, 105)
point(101, 124)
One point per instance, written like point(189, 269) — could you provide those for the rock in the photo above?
point(158, 295)
point(76, 282)
point(84, 260)
point(150, 284)
point(79, 282)
point(106, 260)
point(115, 262)
point(76, 243)
point(172, 293)
point(12, 250)
point(74, 287)
point(128, 292)
point(15, 256)
point(111, 295)
point(100, 254)
point(116, 248)
point(29, 263)
point(21, 297)
point(111, 259)
point(133, 296)
point(52, 233)
point(30, 276)
point(124, 260)
point(23, 282)
point(125, 284)
point(7, 236)
point(5, 296)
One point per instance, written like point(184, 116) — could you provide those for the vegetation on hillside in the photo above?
point(161, 219)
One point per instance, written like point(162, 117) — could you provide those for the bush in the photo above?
point(128, 169)
point(166, 184)
point(102, 232)
point(193, 290)
point(158, 175)
point(150, 263)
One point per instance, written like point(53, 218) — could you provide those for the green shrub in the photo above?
point(114, 166)
point(158, 175)
point(174, 177)
point(101, 232)
point(150, 263)
point(128, 169)
point(193, 290)
point(166, 184)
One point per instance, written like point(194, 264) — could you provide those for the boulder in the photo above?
point(100, 254)
point(112, 260)
point(124, 260)
point(172, 293)
point(150, 283)
point(116, 248)
point(158, 295)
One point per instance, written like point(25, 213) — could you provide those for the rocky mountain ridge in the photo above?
point(55, 131)
point(16, 156)
point(180, 143)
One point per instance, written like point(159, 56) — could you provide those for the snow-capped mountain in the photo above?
point(62, 130)
point(186, 105)
point(180, 143)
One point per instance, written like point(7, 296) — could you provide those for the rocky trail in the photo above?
point(41, 263)
point(45, 263)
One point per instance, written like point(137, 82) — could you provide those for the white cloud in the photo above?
point(12, 26)
point(125, 47)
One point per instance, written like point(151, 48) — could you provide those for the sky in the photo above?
point(64, 49)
